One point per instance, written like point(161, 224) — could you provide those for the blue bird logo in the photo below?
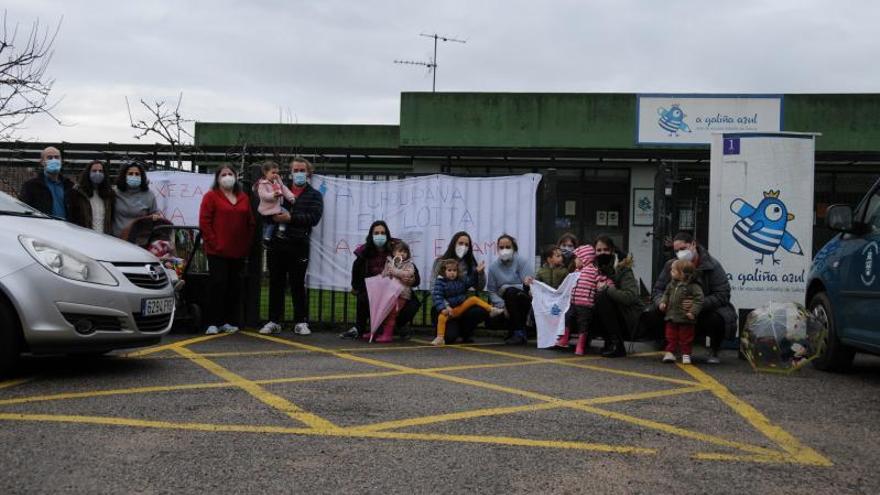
point(762, 228)
point(672, 120)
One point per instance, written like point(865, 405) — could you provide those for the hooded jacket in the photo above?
point(584, 293)
point(625, 292)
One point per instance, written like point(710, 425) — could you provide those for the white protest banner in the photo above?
point(423, 211)
point(691, 119)
point(761, 214)
point(179, 194)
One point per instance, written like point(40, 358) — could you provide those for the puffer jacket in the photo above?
point(449, 293)
point(674, 296)
point(584, 293)
point(552, 276)
point(625, 292)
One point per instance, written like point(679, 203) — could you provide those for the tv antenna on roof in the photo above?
point(432, 64)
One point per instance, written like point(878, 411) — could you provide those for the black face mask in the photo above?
point(603, 260)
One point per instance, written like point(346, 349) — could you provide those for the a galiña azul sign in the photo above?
point(691, 119)
point(761, 214)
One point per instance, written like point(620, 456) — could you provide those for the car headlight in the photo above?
point(66, 262)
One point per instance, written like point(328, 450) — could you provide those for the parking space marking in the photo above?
point(14, 382)
point(786, 441)
point(793, 451)
point(173, 345)
point(270, 381)
point(667, 428)
point(573, 362)
point(261, 394)
point(331, 432)
point(305, 351)
point(543, 406)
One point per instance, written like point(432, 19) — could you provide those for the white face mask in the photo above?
point(685, 255)
point(460, 251)
point(227, 181)
point(505, 254)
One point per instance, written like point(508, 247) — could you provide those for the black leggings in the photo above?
point(225, 276)
point(518, 304)
point(607, 320)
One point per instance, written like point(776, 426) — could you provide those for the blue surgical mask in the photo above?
point(133, 180)
point(299, 178)
point(379, 240)
point(96, 177)
point(53, 166)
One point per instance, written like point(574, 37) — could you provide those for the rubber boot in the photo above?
point(562, 341)
point(387, 334)
point(581, 345)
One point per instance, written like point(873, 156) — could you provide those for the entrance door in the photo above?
point(598, 204)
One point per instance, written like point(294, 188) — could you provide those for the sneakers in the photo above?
point(270, 328)
point(227, 328)
point(438, 341)
point(518, 338)
point(668, 358)
point(351, 333)
point(302, 329)
point(212, 330)
point(496, 312)
point(713, 358)
point(685, 359)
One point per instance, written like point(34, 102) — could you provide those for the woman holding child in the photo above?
point(508, 277)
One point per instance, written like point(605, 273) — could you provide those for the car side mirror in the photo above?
point(839, 218)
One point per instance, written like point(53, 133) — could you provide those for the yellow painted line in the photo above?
point(365, 348)
point(569, 362)
point(785, 440)
point(329, 432)
point(674, 430)
point(13, 383)
point(543, 406)
point(261, 394)
point(271, 381)
point(767, 459)
point(173, 345)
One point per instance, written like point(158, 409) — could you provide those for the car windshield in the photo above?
point(12, 206)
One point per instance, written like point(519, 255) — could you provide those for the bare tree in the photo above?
point(24, 85)
point(164, 121)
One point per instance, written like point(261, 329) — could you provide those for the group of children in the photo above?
point(681, 301)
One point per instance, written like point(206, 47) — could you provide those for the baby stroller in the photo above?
point(179, 250)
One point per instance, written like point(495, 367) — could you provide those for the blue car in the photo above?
point(843, 288)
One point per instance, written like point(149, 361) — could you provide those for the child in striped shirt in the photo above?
point(583, 297)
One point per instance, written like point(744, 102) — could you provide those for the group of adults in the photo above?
point(227, 223)
point(94, 201)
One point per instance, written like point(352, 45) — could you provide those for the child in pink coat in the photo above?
point(271, 191)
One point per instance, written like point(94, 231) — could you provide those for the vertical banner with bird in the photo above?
point(761, 214)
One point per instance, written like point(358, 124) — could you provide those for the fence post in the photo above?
point(253, 276)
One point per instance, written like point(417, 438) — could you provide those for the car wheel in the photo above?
point(835, 356)
point(10, 339)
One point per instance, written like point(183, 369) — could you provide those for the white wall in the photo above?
point(640, 244)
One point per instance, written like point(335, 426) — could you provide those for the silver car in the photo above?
point(68, 289)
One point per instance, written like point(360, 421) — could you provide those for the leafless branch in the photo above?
point(24, 86)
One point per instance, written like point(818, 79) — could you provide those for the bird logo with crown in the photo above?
point(762, 229)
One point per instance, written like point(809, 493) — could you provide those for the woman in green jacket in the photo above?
point(617, 308)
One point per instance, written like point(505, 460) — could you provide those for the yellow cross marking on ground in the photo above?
point(791, 450)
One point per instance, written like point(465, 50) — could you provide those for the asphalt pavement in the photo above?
point(245, 413)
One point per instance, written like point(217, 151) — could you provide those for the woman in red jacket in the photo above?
point(227, 226)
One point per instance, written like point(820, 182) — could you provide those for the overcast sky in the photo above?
point(331, 61)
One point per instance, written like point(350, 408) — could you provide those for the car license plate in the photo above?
point(151, 307)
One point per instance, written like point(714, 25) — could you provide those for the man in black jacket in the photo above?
point(49, 191)
point(288, 255)
point(717, 319)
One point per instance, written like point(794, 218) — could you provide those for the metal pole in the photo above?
point(434, 84)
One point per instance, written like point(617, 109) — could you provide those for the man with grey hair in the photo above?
point(49, 191)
